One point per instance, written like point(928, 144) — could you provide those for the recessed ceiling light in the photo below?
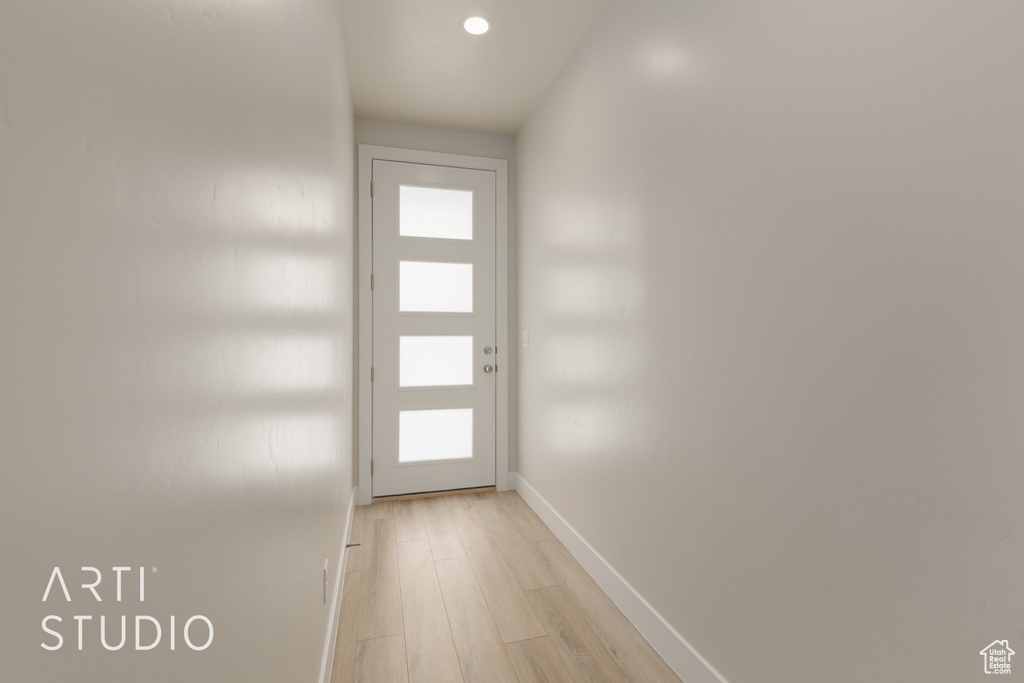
point(476, 25)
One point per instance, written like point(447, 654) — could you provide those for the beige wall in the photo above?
point(771, 266)
point(176, 251)
point(470, 143)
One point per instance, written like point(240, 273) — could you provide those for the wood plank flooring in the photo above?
point(475, 588)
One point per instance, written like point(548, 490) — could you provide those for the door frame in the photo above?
point(364, 339)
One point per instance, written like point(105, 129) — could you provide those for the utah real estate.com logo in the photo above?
point(997, 657)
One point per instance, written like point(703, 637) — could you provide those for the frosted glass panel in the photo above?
point(435, 435)
point(433, 212)
point(435, 287)
point(435, 361)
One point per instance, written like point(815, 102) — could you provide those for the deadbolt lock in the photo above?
point(488, 350)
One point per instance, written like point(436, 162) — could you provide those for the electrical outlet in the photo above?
point(326, 561)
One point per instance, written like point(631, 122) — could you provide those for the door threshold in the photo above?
point(435, 494)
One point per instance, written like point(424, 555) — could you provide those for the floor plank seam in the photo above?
point(408, 672)
point(390, 635)
point(476, 574)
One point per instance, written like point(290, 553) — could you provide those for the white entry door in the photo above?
point(434, 348)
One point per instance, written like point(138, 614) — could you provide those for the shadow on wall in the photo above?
point(594, 297)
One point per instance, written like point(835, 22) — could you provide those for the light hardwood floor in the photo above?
point(475, 588)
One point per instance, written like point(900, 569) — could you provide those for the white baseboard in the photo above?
point(327, 664)
point(677, 653)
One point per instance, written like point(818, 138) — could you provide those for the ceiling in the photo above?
point(410, 61)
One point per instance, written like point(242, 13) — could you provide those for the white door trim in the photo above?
point(364, 342)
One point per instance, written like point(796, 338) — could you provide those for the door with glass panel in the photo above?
point(434, 351)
